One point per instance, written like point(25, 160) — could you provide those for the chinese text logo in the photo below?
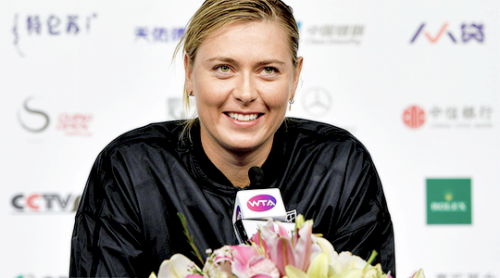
point(449, 201)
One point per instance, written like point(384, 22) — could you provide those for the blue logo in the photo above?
point(52, 25)
point(158, 34)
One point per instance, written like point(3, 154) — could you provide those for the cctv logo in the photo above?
point(45, 203)
point(261, 203)
point(468, 32)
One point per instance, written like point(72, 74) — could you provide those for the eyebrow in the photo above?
point(223, 59)
point(270, 62)
point(233, 61)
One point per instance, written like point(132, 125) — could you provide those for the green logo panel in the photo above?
point(449, 201)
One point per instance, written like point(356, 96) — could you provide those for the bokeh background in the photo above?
point(416, 81)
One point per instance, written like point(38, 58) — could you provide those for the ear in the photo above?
point(188, 73)
point(296, 76)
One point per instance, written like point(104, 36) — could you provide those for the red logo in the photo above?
point(414, 117)
point(75, 124)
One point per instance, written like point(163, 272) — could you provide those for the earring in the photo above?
point(191, 94)
point(291, 101)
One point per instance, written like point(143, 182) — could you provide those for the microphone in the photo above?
point(252, 206)
point(256, 176)
point(258, 204)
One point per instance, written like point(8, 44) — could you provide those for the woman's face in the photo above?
point(242, 78)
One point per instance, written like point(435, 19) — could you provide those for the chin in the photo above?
point(242, 145)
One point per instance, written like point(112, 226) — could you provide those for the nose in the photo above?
point(245, 91)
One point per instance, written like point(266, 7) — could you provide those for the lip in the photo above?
point(242, 124)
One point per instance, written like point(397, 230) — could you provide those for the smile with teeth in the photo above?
point(242, 117)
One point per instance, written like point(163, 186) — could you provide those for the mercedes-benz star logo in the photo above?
point(317, 101)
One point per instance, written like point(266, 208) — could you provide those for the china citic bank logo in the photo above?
point(467, 116)
point(468, 32)
point(261, 203)
point(449, 201)
point(414, 116)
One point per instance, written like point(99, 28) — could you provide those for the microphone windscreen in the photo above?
point(256, 176)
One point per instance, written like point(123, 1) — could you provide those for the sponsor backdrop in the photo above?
point(416, 81)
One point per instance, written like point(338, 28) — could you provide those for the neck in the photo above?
point(235, 164)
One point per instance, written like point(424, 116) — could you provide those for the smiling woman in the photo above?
point(241, 65)
point(243, 77)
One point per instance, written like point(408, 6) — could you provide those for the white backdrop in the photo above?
point(416, 81)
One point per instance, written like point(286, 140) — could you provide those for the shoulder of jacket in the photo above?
point(322, 132)
point(165, 133)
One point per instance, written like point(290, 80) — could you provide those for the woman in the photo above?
point(242, 67)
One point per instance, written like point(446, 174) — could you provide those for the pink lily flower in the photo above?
point(283, 249)
point(249, 263)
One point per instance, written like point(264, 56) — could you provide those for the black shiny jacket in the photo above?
point(127, 225)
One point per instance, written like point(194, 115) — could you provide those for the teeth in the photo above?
point(243, 118)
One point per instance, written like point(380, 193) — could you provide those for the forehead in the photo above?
point(248, 39)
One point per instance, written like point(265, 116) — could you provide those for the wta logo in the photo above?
point(261, 203)
point(414, 117)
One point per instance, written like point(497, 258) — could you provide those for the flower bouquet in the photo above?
point(274, 253)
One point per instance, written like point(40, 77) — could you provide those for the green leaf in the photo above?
point(189, 238)
point(183, 220)
point(370, 260)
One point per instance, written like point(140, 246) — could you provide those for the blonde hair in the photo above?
point(216, 14)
